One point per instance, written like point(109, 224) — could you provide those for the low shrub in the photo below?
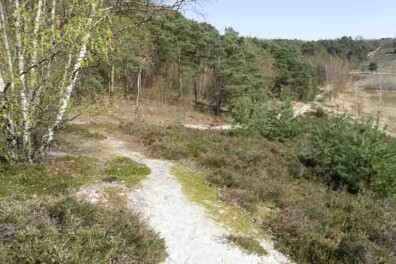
point(352, 156)
point(60, 230)
point(37, 179)
point(273, 120)
point(310, 222)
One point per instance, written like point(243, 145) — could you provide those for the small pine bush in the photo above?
point(353, 156)
point(273, 120)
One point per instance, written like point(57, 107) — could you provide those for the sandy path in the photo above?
point(191, 237)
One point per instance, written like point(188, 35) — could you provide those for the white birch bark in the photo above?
point(6, 45)
point(53, 25)
point(75, 72)
point(53, 14)
point(21, 66)
point(2, 84)
point(35, 43)
point(18, 32)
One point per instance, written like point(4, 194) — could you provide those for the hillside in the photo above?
point(131, 134)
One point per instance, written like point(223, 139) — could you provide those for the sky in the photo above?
point(300, 19)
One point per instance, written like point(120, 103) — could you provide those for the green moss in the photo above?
point(125, 170)
point(34, 179)
point(233, 218)
point(251, 245)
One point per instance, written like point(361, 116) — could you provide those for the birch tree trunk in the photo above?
point(38, 76)
point(43, 46)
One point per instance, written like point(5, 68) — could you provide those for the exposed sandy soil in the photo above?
point(190, 235)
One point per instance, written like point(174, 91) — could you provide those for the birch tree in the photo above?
point(43, 46)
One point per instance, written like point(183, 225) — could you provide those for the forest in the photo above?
point(95, 97)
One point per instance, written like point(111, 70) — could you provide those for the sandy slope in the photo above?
point(190, 235)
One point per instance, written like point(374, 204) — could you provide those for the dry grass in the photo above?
point(368, 101)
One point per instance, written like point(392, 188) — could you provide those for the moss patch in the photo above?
point(250, 245)
point(34, 179)
point(122, 169)
point(232, 217)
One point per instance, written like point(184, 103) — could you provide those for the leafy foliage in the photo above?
point(296, 79)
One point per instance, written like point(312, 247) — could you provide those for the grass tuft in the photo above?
point(250, 245)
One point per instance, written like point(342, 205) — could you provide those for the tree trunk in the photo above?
point(64, 102)
point(196, 93)
point(204, 83)
point(111, 84)
point(220, 99)
point(126, 88)
point(179, 76)
point(139, 83)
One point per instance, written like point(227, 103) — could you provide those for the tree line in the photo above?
point(173, 59)
point(52, 50)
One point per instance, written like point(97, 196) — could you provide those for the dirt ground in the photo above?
point(368, 103)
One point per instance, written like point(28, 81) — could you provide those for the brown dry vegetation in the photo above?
point(308, 220)
point(311, 223)
point(369, 105)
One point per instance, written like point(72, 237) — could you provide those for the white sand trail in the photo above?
point(191, 236)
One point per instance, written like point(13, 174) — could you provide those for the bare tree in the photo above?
point(337, 76)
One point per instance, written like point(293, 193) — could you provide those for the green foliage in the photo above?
point(373, 66)
point(62, 230)
point(296, 79)
point(355, 156)
point(238, 69)
point(273, 120)
point(320, 112)
point(43, 53)
point(251, 246)
point(354, 50)
point(123, 169)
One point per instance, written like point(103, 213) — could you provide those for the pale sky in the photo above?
point(301, 19)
